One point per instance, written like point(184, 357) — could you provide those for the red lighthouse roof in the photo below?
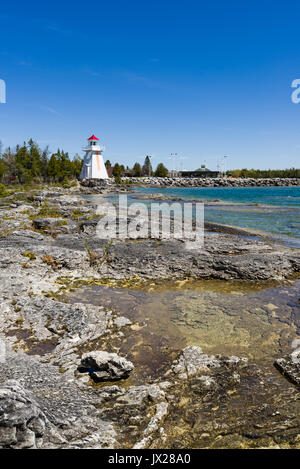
point(93, 138)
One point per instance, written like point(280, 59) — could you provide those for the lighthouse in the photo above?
point(93, 165)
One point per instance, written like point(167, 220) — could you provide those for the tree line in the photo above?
point(137, 170)
point(265, 174)
point(28, 163)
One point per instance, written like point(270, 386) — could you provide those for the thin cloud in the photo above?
point(93, 73)
point(24, 63)
point(59, 30)
point(134, 78)
point(51, 110)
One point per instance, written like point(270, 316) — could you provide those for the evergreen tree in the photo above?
point(53, 168)
point(137, 170)
point(117, 170)
point(77, 165)
point(147, 168)
point(161, 171)
point(2, 168)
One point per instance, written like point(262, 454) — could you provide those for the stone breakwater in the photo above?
point(195, 182)
point(64, 381)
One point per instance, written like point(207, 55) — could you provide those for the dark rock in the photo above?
point(105, 366)
point(46, 223)
point(289, 366)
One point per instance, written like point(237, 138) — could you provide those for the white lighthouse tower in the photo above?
point(93, 165)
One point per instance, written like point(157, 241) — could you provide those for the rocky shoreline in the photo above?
point(193, 182)
point(64, 382)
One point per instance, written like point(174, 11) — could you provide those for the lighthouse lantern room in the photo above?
point(93, 165)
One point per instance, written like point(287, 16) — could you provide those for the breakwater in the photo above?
point(196, 182)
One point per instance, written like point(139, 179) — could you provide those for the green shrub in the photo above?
point(46, 211)
point(3, 191)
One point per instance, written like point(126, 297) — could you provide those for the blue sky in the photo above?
point(200, 79)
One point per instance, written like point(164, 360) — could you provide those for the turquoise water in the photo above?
point(275, 210)
point(279, 196)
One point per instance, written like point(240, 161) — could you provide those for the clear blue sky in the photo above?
point(203, 79)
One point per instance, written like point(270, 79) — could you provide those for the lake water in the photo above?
point(275, 210)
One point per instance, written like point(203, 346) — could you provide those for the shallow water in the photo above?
point(274, 210)
point(258, 322)
point(276, 196)
point(271, 210)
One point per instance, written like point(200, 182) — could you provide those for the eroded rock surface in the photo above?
point(201, 400)
point(289, 366)
point(22, 423)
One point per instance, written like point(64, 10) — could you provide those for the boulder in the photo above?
point(105, 366)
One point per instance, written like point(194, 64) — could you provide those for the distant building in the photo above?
point(173, 173)
point(201, 172)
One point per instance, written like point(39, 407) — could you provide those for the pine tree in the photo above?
point(53, 168)
point(117, 170)
point(161, 171)
point(147, 168)
point(137, 170)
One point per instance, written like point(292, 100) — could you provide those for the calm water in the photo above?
point(279, 196)
point(275, 210)
point(232, 318)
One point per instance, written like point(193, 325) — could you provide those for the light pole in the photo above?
point(174, 164)
point(225, 165)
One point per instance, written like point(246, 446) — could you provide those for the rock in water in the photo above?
point(193, 361)
point(105, 366)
